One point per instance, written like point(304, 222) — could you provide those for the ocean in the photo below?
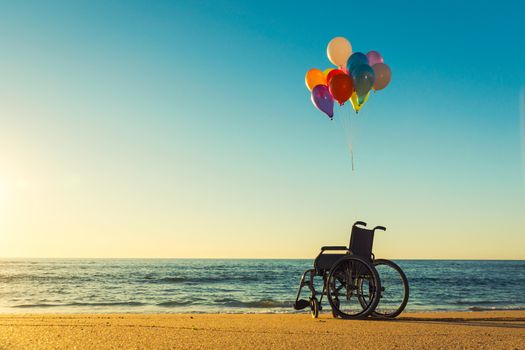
point(234, 286)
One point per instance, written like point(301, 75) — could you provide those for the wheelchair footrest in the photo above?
point(301, 304)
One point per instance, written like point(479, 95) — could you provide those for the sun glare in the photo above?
point(3, 187)
point(3, 195)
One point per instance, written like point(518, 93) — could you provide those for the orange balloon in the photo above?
point(314, 77)
point(341, 87)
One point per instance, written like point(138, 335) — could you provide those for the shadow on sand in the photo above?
point(502, 322)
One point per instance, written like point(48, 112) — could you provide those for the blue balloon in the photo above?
point(363, 77)
point(357, 59)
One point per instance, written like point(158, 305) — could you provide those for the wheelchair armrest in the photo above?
point(338, 247)
point(382, 228)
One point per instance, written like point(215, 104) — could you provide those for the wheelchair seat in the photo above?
point(361, 241)
point(324, 262)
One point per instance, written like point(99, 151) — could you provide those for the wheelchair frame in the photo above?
point(350, 268)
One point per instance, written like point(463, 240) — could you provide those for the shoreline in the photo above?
point(466, 329)
point(53, 310)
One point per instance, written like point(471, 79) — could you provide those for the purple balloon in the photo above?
point(323, 100)
point(374, 57)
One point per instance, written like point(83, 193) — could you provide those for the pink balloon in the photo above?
point(374, 57)
point(383, 76)
point(323, 100)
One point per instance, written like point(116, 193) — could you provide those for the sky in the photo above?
point(184, 129)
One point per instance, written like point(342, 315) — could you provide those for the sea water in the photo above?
point(234, 286)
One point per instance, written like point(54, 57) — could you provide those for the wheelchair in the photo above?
point(356, 284)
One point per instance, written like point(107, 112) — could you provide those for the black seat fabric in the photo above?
point(324, 262)
point(361, 242)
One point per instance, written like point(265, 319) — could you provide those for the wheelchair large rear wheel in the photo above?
point(394, 289)
point(353, 287)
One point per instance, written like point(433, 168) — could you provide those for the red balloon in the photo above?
point(331, 75)
point(341, 87)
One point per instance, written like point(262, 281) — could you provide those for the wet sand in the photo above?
point(454, 330)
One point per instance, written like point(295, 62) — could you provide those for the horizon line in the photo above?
point(218, 258)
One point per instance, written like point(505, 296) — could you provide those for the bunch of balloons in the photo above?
point(353, 79)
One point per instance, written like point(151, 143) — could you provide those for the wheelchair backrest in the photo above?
point(361, 241)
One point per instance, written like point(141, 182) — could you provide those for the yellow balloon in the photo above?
point(355, 103)
point(313, 78)
point(326, 71)
point(338, 51)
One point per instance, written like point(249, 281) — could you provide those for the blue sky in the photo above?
point(184, 129)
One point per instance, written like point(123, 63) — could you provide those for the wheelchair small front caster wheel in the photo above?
point(314, 306)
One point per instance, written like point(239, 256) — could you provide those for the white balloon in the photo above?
point(338, 51)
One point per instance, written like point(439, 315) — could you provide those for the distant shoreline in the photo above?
point(248, 259)
point(469, 330)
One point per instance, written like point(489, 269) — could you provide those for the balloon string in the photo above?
point(345, 127)
point(349, 139)
point(350, 143)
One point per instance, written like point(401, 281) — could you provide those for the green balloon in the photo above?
point(363, 78)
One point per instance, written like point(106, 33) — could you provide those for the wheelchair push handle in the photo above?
point(360, 223)
point(382, 228)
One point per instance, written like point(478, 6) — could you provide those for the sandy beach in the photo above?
point(450, 330)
